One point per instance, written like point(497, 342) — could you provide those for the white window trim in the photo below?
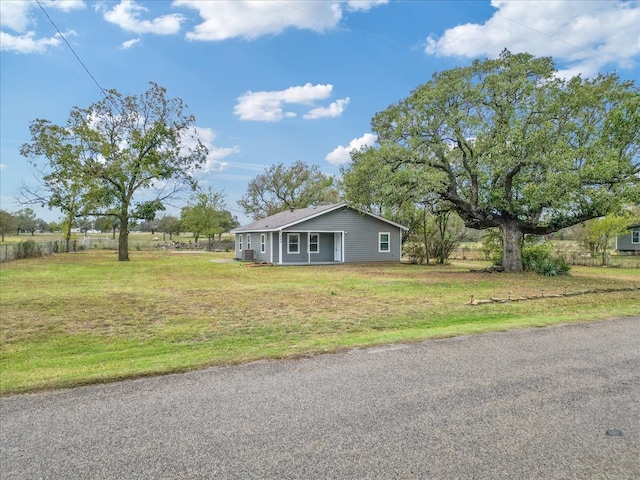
point(263, 242)
point(388, 242)
point(637, 234)
point(248, 241)
point(317, 243)
point(240, 242)
point(289, 252)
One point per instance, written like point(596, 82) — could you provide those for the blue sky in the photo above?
point(277, 81)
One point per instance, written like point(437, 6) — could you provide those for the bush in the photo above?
point(539, 259)
point(27, 249)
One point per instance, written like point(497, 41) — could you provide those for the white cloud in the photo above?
point(216, 154)
point(18, 17)
point(63, 5)
point(252, 19)
point(2, 166)
point(334, 109)
point(129, 43)
point(343, 154)
point(584, 35)
point(127, 15)
point(15, 15)
point(26, 43)
point(267, 106)
point(364, 5)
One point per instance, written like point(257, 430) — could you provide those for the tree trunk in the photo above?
point(123, 240)
point(511, 247)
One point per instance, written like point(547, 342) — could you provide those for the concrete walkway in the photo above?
point(526, 404)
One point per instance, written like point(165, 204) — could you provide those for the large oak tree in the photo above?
point(509, 144)
point(123, 157)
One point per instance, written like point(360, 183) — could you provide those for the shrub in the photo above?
point(27, 249)
point(538, 258)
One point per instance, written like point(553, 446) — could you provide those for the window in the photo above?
point(314, 243)
point(240, 242)
point(384, 242)
point(263, 241)
point(635, 236)
point(293, 243)
point(248, 241)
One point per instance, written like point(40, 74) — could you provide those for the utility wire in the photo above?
point(104, 92)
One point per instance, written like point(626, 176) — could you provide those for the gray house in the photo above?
point(630, 242)
point(318, 235)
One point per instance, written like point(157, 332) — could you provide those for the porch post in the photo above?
point(280, 247)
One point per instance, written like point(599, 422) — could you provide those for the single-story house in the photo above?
point(321, 234)
point(629, 243)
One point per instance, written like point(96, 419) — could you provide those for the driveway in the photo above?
point(525, 404)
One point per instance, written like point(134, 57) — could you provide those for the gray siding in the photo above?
point(624, 243)
point(360, 235)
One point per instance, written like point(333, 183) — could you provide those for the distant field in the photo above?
point(79, 318)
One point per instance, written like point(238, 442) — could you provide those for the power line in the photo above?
point(104, 92)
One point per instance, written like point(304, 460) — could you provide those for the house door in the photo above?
point(337, 247)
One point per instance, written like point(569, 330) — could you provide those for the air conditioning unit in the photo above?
point(247, 256)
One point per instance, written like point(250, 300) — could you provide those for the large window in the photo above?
point(263, 240)
point(293, 243)
point(384, 242)
point(635, 236)
point(314, 243)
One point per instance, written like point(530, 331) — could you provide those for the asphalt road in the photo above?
point(526, 404)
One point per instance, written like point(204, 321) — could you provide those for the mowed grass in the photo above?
point(82, 318)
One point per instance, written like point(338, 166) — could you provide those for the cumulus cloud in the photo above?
point(342, 154)
point(214, 161)
point(334, 109)
point(26, 43)
point(127, 15)
point(18, 17)
point(252, 19)
point(268, 106)
point(585, 36)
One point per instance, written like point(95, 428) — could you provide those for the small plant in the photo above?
point(538, 258)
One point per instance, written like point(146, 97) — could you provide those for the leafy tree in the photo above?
point(149, 226)
point(8, 223)
point(280, 188)
point(371, 184)
point(205, 215)
point(84, 224)
point(600, 232)
point(510, 145)
point(104, 224)
point(26, 220)
point(124, 156)
point(169, 224)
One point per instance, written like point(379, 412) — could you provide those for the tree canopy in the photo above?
point(508, 144)
point(206, 215)
point(123, 157)
point(281, 188)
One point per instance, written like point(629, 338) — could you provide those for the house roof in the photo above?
point(291, 218)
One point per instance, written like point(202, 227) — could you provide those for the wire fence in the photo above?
point(30, 248)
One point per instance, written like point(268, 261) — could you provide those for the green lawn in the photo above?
point(73, 319)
